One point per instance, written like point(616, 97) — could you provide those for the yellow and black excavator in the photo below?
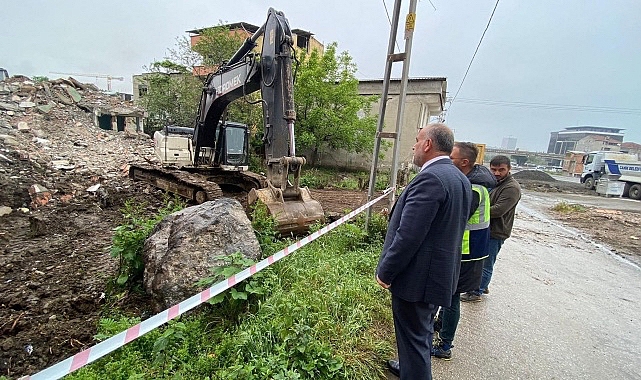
point(197, 161)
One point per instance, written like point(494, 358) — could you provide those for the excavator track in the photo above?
point(195, 187)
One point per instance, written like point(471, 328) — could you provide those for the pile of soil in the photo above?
point(533, 175)
point(620, 230)
point(537, 180)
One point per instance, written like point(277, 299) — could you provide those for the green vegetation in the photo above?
point(317, 314)
point(39, 79)
point(331, 114)
point(321, 178)
point(129, 238)
point(565, 207)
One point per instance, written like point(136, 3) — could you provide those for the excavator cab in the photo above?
point(232, 149)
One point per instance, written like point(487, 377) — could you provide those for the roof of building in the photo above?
point(612, 134)
point(251, 28)
point(301, 32)
point(409, 79)
point(593, 128)
point(630, 145)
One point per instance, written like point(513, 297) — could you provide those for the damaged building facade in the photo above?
point(110, 111)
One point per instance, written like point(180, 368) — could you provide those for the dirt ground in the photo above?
point(55, 265)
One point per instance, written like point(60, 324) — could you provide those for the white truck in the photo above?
point(613, 166)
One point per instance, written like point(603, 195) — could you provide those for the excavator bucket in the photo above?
point(292, 214)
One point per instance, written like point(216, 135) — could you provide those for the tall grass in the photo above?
point(322, 317)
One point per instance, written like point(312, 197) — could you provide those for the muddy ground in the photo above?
point(55, 266)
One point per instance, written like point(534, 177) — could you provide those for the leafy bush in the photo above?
point(235, 300)
point(129, 238)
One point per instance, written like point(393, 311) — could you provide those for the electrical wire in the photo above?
point(553, 106)
point(390, 23)
point(475, 51)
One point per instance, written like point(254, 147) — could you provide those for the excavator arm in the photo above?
point(272, 74)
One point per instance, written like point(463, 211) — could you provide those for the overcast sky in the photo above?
point(549, 54)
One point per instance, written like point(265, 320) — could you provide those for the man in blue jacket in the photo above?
point(421, 256)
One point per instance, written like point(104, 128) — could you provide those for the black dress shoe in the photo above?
point(394, 367)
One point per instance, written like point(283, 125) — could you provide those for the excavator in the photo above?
point(197, 161)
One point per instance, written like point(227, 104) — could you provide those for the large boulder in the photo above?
point(187, 244)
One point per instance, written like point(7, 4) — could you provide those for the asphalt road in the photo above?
point(560, 307)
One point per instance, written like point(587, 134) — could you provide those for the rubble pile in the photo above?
point(50, 147)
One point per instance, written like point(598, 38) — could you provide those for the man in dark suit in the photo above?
point(421, 256)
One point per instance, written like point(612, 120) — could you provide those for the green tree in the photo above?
point(330, 112)
point(173, 92)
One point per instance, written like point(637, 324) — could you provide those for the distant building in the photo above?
point(631, 147)
point(567, 139)
point(424, 102)
point(509, 143)
point(573, 163)
point(303, 40)
point(597, 142)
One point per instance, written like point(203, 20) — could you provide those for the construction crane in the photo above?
point(108, 77)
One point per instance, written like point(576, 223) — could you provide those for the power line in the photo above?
point(475, 51)
point(554, 106)
point(390, 23)
point(432, 4)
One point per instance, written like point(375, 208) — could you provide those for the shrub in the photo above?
point(129, 238)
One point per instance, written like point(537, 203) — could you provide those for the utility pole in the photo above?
point(410, 23)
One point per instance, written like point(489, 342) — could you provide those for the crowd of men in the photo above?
point(444, 234)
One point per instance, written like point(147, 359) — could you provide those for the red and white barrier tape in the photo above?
point(101, 349)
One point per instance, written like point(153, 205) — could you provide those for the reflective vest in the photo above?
point(480, 220)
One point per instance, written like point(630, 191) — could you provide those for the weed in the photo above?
point(322, 316)
point(236, 298)
point(129, 238)
point(265, 229)
point(565, 207)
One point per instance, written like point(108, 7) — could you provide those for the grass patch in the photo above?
point(327, 178)
point(321, 316)
point(564, 207)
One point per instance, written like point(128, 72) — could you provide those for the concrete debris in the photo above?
point(23, 126)
point(4, 210)
point(75, 95)
point(40, 196)
point(45, 108)
point(9, 107)
point(26, 104)
point(94, 188)
point(65, 146)
point(62, 165)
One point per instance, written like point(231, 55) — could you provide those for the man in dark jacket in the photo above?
point(421, 255)
point(503, 199)
point(475, 242)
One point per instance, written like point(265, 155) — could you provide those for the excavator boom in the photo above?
point(208, 148)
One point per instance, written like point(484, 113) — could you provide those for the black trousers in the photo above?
point(414, 327)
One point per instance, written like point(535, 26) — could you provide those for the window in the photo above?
point(142, 90)
point(302, 42)
point(236, 145)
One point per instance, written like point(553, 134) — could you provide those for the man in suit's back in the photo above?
point(421, 256)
